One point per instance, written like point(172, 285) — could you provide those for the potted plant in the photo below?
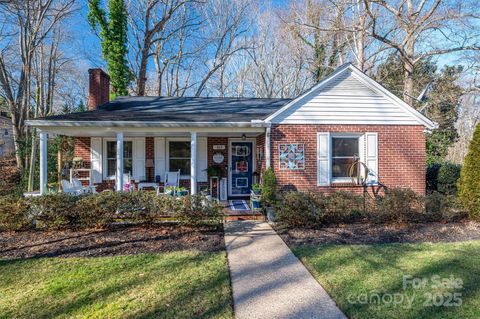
point(256, 189)
point(215, 171)
point(169, 190)
point(269, 193)
point(179, 191)
point(182, 191)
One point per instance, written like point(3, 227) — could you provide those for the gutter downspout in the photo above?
point(267, 147)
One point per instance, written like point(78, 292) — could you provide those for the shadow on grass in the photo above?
point(122, 287)
point(354, 270)
point(117, 241)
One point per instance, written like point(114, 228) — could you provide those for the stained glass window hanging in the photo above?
point(292, 156)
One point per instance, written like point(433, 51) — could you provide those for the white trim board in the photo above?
point(345, 107)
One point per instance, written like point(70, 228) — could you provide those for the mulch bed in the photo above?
point(378, 234)
point(120, 240)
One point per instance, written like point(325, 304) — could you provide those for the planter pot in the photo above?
point(257, 192)
point(182, 193)
point(255, 204)
point(270, 214)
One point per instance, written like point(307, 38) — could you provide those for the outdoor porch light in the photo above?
point(244, 137)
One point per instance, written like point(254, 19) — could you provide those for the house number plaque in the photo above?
point(218, 147)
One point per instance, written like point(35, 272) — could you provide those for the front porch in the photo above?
point(115, 154)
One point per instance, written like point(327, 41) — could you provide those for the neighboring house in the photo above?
point(310, 142)
point(6, 135)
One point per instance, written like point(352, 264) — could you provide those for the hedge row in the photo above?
point(312, 210)
point(56, 211)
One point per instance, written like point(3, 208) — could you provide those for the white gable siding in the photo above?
point(345, 99)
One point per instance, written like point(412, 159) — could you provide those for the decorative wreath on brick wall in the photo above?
point(292, 156)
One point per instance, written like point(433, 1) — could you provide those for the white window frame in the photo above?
point(105, 159)
point(167, 153)
point(361, 147)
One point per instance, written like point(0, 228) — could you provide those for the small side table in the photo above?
point(143, 185)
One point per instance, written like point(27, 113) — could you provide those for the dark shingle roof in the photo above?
point(178, 109)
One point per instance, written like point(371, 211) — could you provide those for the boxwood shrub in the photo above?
point(314, 210)
point(54, 211)
point(60, 210)
point(14, 213)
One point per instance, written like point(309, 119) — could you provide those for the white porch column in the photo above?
point(193, 163)
point(267, 148)
point(119, 172)
point(43, 162)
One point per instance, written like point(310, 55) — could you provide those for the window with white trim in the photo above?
point(345, 151)
point(112, 157)
point(179, 155)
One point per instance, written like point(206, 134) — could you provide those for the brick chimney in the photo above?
point(98, 88)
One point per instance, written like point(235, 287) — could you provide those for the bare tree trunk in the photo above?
point(59, 167)
point(408, 72)
point(408, 83)
point(142, 72)
point(17, 137)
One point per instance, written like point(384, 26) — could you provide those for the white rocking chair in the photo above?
point(76, 183)
point(68, 188)
point(172, 179)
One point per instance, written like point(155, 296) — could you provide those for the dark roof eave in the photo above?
point(60, 123)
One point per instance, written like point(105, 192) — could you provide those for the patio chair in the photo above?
point(172, 179)
point(68, 188)
point(76, 183)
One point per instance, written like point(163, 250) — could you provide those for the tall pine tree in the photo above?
point(469, 183)
point(113, 34)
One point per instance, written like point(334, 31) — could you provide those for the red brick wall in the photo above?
point(82, 149)
point(98, 88)
point(401, 158)
point(401, 155)
point(150, 154)
point(210, 151)
point(260, 161)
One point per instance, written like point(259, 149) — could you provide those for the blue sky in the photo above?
point(85, 45)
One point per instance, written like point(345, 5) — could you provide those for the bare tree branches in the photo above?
point(408, 29)
point(33, 20)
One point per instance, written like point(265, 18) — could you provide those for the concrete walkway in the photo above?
point(268, 281)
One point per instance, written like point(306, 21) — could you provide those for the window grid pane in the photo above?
point(344, 146)
point(112, 157)
point(345, 151)
point(179, 156)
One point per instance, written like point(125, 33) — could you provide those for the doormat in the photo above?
point(239, 204)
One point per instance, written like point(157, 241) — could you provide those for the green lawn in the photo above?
point(352, 274)
point(169, 285)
